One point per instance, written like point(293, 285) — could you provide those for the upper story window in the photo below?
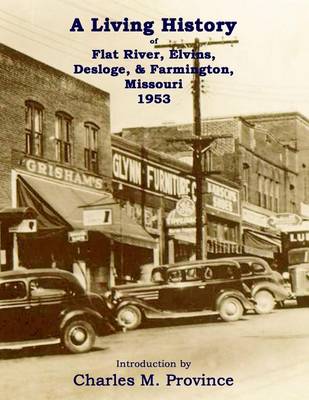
point(260, 190)
point(34, 128)
point(91, 147)
point(63, 135)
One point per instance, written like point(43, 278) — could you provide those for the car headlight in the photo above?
point(107, 295)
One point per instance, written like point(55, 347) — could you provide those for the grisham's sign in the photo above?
point(64, 174)
point(152, 176)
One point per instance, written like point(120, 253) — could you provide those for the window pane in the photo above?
point(28, 117)
point(12, 290)
point(94, 139)
point(87, 141)
point(37, 144)
point(58, 128)
point(37, 120)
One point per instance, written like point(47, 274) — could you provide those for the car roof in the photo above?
point(198, 263)
point(34, 273)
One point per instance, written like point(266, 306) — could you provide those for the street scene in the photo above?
point(154, 202)
point(276, 368)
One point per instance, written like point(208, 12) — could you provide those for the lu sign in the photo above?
point(97, 217)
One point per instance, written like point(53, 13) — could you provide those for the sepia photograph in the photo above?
point(154, 202)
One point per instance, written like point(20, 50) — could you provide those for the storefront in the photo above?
point(96, 248)
point(150, 184)
point(259, 237)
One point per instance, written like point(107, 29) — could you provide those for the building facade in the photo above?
point(267, 166)
point(151, 184)
point(56, 165)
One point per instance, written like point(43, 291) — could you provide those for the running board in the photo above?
point(28, 343)
point(165, 314)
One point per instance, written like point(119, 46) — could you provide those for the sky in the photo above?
point(270, 62)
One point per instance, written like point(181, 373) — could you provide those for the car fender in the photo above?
point(143, 306)
point(246, 303)
point(87, 313)
point(279, 293)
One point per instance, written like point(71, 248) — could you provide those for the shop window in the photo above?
point(63, 134)
point(91, 147)
point(34, 128)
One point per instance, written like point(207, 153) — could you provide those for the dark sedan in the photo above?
point(183, 290)
point(48, 306)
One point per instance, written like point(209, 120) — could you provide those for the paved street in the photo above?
point(266, 355)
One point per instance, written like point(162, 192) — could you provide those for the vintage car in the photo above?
point(48, 306)
point(266, 285)
point(183, 290)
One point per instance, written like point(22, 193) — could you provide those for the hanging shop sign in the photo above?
point(151, 176)
point(78, 236)
point(94, 217)
point(183, 216)
point(222, 197)
point(63, 174)
point(25, 226)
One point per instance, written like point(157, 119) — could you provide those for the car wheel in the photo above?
point(129, 317)
point(78, 336)
point(302, 301)
point(265, 302)
point(230, 309)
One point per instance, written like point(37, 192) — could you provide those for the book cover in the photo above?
point(154, 202)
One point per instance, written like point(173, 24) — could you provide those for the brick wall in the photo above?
point(23, 78)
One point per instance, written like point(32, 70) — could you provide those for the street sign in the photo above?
point(78, 236)
point(94, 217)
point(25, 226)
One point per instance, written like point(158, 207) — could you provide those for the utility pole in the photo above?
point(198, 143)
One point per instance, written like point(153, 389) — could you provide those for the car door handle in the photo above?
point(27, 307)
point(202, 287)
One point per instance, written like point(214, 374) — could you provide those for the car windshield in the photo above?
point(299, 257)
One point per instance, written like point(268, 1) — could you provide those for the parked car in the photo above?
point(183, 290)
point(266, 285)
point(48, 306)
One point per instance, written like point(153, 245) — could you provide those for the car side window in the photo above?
point(208, 274)
point(220, 271)
point(48, 287)
point(192, 274)
point(175, 276)
point(258, 268)
point(245, 269)
point(13, 290)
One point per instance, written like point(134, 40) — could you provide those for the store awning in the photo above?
point(61, 207)
point(261, 241)
point(258, 252)
point(10, 213)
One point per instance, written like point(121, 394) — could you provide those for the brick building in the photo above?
point(151, 183)
point(263, 157)
point(56, 161)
